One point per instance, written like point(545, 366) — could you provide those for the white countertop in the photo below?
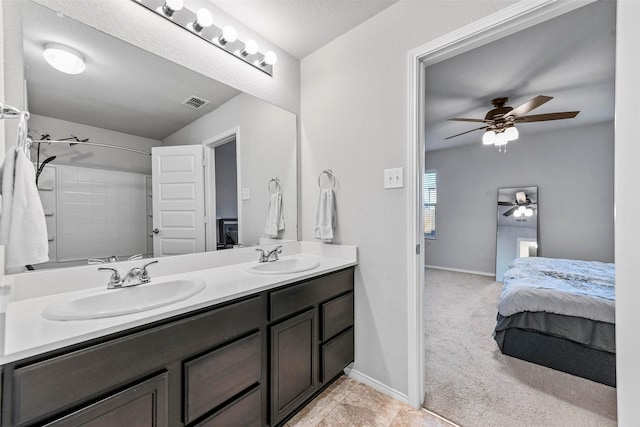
point(27, 333)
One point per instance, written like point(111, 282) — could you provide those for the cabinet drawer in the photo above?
point(143, 405)
point(216, 377)
point(42, 389)
point(337, 315)
point(301, 296)
point(337, 354)
point(243, 412)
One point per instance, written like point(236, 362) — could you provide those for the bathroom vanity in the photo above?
point(253, 360)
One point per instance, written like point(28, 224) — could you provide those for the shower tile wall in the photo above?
point(100, 213)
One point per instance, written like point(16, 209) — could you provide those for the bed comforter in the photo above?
point(584, 289)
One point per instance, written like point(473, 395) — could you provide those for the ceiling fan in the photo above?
point(499, 123)
point(522, 206)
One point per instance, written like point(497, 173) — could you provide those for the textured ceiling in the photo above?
point(570, 58)
point(302, 26)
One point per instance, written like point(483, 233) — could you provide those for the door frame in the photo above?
point(209, 145)
point(507, 21)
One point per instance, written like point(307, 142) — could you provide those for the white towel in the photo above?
point(325, 216)
point(23, 228)
point(275, 216)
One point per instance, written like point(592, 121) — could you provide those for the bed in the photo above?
point(560, 313)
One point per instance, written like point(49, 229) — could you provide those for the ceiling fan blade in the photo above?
point(506, 204)
point(462, 119)
point(529, 105)
point(545, 117)
point(472, 130)
point(510, 211)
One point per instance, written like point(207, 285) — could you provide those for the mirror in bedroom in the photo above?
point(517, 228)
point(207, 187)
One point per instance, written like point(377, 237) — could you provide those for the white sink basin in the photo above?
point(117, 302)
point(285, 266)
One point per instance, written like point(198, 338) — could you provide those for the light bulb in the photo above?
point(250, 48)
point(63, 58)
point(229, 35)
point(528, 212)
point(270, 58)
point(203, 20)
point(517, 213)
point(511, 133)
point(170, 6)
point(501, 139)
point(489, 137)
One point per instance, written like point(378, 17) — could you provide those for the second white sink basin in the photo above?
point(117, 302)
point(285, 266)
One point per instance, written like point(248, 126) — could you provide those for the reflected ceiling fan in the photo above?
point(499, 123)
point(523, 207)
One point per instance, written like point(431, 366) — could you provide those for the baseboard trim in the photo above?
point(459, 270)
point(377, 385)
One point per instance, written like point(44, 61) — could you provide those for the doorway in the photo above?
point(468, 38)
point(221, 188)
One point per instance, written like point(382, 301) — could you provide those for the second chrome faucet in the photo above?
point(134, 277)
point(269, 256)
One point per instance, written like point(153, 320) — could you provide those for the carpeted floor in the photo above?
point(470, 382)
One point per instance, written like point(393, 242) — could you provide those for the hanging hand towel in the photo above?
point(275, 216)
point(23, 226)
point(325, 216)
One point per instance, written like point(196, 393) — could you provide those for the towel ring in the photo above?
point(276, 187)
point(332, 179)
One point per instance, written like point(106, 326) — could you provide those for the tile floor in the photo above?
point(348, 402)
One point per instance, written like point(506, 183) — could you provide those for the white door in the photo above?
point(178, 200)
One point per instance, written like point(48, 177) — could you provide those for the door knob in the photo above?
point(156, 231)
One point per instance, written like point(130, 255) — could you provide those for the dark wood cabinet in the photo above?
point(294, 371)
point(250, 362)
point(141, 405)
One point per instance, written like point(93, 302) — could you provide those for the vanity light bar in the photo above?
point(199, 23)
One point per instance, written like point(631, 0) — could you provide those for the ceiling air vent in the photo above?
point(195, 102)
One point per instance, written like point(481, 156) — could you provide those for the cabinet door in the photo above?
point(143, 405)
point(294, 363)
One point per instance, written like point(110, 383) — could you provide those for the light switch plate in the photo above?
point(393, 178)
point(246, 194)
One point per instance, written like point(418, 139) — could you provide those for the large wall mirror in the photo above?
point(517, 231)
point(217, 152)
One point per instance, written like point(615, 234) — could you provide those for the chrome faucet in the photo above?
point(267, 256)
point(134, 277)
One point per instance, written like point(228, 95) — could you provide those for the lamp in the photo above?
point(270, 58)
point(500, 134)
point(250, 48)
point(199, 21)
point(203, 20)
point(229, 35)
point(63, 58)
point(170, 6)
point(489, 137)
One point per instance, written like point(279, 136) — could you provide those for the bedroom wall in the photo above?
point(573, 169)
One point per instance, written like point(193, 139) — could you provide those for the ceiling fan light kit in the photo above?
point(499, 123)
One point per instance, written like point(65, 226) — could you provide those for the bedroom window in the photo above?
point(430, 196)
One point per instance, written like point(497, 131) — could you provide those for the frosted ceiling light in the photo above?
point(170, 6)
point(229, 35)
point(250, 48)
point(63, 58)
point(511, 133)
point(528, 212)
point(501, 139)
point(203, 20)
point(489, 137)
point(270, 58)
